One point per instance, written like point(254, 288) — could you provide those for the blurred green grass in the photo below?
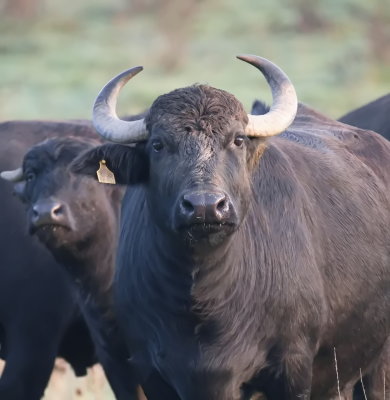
point(53, 64)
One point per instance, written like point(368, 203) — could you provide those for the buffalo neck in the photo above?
point(195, 288)
point(90, 263)
point(195, 302)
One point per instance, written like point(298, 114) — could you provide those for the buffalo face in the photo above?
point(63, 208)
point(198, 183)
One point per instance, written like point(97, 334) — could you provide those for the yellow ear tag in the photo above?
point(104, 175)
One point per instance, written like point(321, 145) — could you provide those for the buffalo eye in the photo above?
point(30, 176)
point(238, 141)
point(157, 145)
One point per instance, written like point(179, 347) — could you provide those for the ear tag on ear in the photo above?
point(104, 175)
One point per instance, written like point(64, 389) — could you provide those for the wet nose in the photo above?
point(204, 207)
point(48, 211)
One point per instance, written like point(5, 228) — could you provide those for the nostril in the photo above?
point(57, 210)
point(187, 206)
point(221, 205)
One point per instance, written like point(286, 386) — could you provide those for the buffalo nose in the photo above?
point(48, 212)
point(205, 207)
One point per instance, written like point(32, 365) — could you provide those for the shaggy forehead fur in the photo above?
point(196, 108)
point(59, 149)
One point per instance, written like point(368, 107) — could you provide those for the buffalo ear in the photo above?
point(255, 151)
point(128, 164)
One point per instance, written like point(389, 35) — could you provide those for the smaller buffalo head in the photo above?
point(194, 152)
point(65, 210)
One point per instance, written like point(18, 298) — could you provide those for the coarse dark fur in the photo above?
point(39, 315)
point(298, 269)
point(374, 116)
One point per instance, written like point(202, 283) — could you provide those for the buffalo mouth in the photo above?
point(49, 228)
point(203, 230)
point(50, 233)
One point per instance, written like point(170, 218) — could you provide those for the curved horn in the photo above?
point(105, 118)
point(285, 102)
point(12, 176)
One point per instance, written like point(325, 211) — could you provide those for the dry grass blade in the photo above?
point(384, 385)
point(361, 380)
point(337, 372)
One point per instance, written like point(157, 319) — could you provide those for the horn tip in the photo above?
point(253, 59)
point(12, 176)
point(128, 73)
point(136, 70)
point(248, 57)
point(5, 175)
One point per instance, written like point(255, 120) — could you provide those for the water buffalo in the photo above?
point(39, 315)
point(374, 116)
point(77, 220)
point(252, 249)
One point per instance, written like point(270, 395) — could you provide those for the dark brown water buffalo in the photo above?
point(374, 116)
point(39, 315)
point(252, 248)
point(76, 218)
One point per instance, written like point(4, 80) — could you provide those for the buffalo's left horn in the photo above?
point(13, 176)
point(105, 118)
point(285, 102)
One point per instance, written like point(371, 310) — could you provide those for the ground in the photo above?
point(64, 385)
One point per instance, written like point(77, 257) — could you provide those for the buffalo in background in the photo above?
point(39, 315)
point(252, 248)
point(374, 116)
point(77, 219)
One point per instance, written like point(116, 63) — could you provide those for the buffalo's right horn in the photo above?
point(15, 175)
point(105, 118)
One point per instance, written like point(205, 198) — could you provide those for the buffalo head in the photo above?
point(194, 152)
point(64, 209)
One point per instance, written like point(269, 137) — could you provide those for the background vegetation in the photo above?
point(55, 55)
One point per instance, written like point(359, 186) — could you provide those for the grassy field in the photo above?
point(52, 64)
